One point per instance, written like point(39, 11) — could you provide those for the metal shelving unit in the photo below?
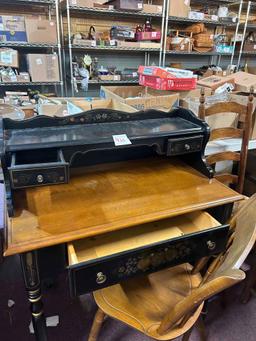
point(30, 84)
point(70, 11)
point(95, 81)
point(53, 7)
point(114, 48)
point(28, 45)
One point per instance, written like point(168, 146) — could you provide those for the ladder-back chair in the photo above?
point(166, 304)
point(242, 131)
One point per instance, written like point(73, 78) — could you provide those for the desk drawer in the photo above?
point(107, 259)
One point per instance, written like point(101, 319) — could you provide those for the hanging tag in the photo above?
point(121, 140)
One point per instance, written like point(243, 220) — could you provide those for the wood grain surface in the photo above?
point(109, 197)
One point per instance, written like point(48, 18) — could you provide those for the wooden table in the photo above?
point(101, 199)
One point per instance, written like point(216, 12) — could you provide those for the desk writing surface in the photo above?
point(109, 197)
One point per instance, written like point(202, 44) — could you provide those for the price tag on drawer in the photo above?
point(121, 140)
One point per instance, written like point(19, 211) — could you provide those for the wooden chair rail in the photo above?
point(226, 133)
point(224, 107)
point(223, 156)
point(229, 179)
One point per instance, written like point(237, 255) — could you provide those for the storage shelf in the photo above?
point(98, 81)
point(214, 2)
point(210, 53)
point(181, 20)
point(30, 83)
point(113, 48)
point(28, 2)
point(112, 12)
point(27, 45)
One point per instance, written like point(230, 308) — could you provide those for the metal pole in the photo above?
point(64, 64)
point(70, 48)
point(236, 33)
point(244, 33)
point(162, 33)
point(166, 30)
point(59, 45)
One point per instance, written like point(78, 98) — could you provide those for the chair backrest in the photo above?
point(226, 273)
point(242, 130)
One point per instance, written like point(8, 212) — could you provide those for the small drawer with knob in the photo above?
point(38, 168)
point(185, 145)
point(107, 259)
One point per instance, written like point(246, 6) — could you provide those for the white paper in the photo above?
point(10, 303)
point(93, 43)
point(112, 42)
point(51, 321)
point(121, 140)
point(39, 61)
point(140, 5)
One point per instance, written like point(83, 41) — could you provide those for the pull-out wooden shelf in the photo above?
point(110, 258)
point(110, 197)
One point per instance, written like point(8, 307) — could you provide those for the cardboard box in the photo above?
point(244, 81)
point(84, 105)
point(216, 121)
point(179, 8)
point(242, 98)
point(43, 67)
point(137, 97)
point(147, 8)
point(213, 82)
point(59, 110)
point(12, 28)
point(9, 57)
point(23, 77)
point(130, 5)
point(82, 3)
point(41, 31)
point(110, 77)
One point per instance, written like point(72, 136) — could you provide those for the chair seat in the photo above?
point(143, 302)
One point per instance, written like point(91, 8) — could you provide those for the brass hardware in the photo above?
point(211, 245)
point(101, 278)
point(39, 178)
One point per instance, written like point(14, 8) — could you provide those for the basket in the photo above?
point(203, 40)
point(195, 28)
point(179, 84)
point(184, 44)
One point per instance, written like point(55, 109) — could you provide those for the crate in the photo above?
point(148, 35)
point(178, 84)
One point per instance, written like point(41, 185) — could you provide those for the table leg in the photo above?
point(32, 282)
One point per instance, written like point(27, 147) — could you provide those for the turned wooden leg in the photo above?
point(33, 287)
point(96, 326)
point(201, 328)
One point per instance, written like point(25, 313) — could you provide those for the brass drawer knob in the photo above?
point(100, 278)
point(211, 245)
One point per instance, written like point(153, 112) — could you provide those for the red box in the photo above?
point(148, 36)
point(180, 84)
point(154, 71)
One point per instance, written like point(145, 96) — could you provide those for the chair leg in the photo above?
point(96, 326)
point(201, 328)
point(250, 280)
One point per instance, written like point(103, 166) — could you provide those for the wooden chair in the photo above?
point(167, 304)
point(241, 131)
